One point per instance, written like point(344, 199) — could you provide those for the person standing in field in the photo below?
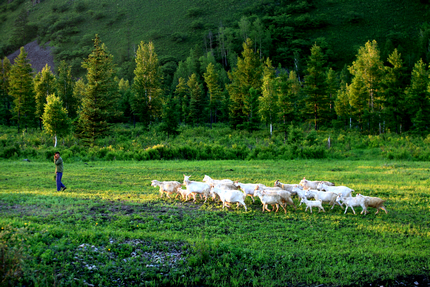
point(59, 171)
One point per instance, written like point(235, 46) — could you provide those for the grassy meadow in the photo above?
point(110, 227)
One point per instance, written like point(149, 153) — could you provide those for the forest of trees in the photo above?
point(372, 95)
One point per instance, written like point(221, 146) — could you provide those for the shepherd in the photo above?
point(59, 171)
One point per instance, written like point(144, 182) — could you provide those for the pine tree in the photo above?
point(147, 84)
point(393, 85)
point(181, 92)
point(100, 99)
point(55, 118)
point(197, 104)
point(268, 102)
point(215, 93)
point(44, 84)
point(358, 100)
point(245, 76)
point(317, 101)
point(125, 101)
point(332, 88)
point(65, 88)
point(5, 98)
point(170, 115)
point(288, 88)
point(22, 90)
point(369, 68)
point(417, 101)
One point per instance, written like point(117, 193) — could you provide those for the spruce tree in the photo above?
point(214, 89)
point(417, 101)
point(317, 101)
point(332, 88)
point(181, 93)
point(170, 116)
point(5, 98)
point(100, 99)
point(55, 119)
point(44, 84)
point(288, 88)
point(393, 86)
point(147, 84)
point(21, 88)
point(65, 85)
point(268, 102)
point(197, 114)
point(245, 76)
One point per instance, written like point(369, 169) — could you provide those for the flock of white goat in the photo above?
point(280, 194)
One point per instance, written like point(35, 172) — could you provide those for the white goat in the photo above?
point(194, 187)
point(284, 194)
point(313, 184)
point(247, 188)
point(301, 193)
point(286, 186)
point(344, 190)
point(312, 203)
point(167, 187)
point(272, 199)
point(351, 202)
point(374, 202)
point(213, 182)
point(329, 197)
point(229, 196)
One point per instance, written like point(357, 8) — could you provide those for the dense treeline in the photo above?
point(368, 95)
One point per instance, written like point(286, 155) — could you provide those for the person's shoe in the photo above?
point(64, 188)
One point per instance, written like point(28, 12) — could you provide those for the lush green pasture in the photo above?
point(110, 228)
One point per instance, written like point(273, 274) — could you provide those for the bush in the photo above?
point(11, 151)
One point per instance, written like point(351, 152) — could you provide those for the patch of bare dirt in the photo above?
point(38, 56)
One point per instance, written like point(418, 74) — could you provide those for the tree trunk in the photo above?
point(55, 142)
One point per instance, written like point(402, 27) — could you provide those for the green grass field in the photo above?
point(110, 228)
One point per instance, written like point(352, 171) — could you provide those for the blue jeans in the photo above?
point(59, 183)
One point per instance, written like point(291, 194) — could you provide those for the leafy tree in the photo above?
point(393, 85)
point(367, 71)
point(6, 99)
point(317, 101)
point(268, 102)
point(79, 90)
point(147, 84)
point(215, 93)
point(417, 101)
point(100, 98)
point(288, 88)
point(44, 85)
point(341, 103)
point(332, 88)
point(125, 100)
point(170, 115)
point(358, 100)
point(65, 89)
point(197, 103)
point(21, 88)
point(55, 118)
point(245, 76)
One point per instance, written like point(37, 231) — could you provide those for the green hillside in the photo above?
point(176, 26)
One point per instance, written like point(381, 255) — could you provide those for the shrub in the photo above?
point(11, 151)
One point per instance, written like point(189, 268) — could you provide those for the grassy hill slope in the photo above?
point(176, 26)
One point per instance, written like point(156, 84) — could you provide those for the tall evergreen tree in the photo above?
point(417, 101)
point(288, 88)
point(126, 97)
point(21, 88)
point(100, 99)
point(368, 67)
point(55, 118)
point(268, 102)
point(44, 84)
point(358, 100)
point(65, 85)
point(197, 103)
point(332, 88)
point(5, 98)
point(181, 92)
point(245, 76)
point(147, 84)
point(317, 101)
point(393, 86)
point(170, 115)
point(214, 89)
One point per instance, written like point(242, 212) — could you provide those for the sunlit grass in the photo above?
point(107, 204)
